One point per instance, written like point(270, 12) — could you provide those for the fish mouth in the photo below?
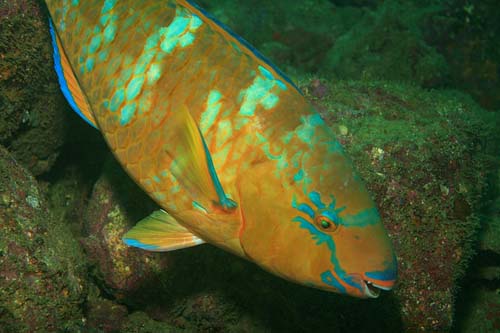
point(372, 290)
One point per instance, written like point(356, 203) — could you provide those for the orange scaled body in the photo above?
point(222, 141)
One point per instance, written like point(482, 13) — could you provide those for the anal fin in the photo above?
point(68, 82)
point(160, 232)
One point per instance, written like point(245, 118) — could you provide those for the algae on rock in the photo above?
point(32, 109)
point(425, 158)
point(42, 269)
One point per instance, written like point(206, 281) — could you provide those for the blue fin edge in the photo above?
point(224, 201)
point(60, 75)
point(244, 43)
point(136, 243)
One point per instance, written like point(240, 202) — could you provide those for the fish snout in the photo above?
point(372, 283)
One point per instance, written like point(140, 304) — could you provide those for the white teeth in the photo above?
point(370, 293)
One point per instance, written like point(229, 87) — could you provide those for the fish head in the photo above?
point(314, 223)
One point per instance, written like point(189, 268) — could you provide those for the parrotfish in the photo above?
point(222, 140)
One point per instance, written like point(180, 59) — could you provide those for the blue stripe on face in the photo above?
point(333, 215)
point(387, 275)
point(327, 276)
point(315, 197)
point(305, 208)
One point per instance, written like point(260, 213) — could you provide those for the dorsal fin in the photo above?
point(68, 82)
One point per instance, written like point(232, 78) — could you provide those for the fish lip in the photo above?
point(372, 290)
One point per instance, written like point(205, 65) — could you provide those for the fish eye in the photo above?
point(325, 223)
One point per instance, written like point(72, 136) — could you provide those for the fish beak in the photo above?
point(372, 290)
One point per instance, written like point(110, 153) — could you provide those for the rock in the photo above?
point(105, 316)
point(42, 269)
point(490, 234)
point(386, 44)
point(140, 322)
point(424, 158)
point(116, 204)
point(482, 311)
point(462, 31)
point(33, 110)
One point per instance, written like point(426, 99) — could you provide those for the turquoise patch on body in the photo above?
point(104, 19)
point(213, 97)
point(103, 55)
point(109, 32)
point(144, 61)
point(95, 42)
point(177, 27)
point(266, 73)
point(281, 85)
point(89, 64)
point(127, 113)
point(180, 31)
point(212, 110)
point(299, 175)
point(270, 101)
point(134, 87)
point(117, 100)
point(186, 40)
point(154, 73)
point(260, 93)
point(108, 5)
point(152, 41)
point(316, 120)
point(196, 22)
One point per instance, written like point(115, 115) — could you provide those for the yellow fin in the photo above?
point(68, 82)
point(193, 165)
point(160, 232)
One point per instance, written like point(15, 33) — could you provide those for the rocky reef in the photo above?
point(43, 279)
point(33, 111)
point(424, 155)
point(427, 156)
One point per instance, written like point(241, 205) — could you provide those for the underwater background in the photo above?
point(411, 89)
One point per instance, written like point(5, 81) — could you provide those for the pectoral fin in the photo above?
point(160, 232)
point(193, 163)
